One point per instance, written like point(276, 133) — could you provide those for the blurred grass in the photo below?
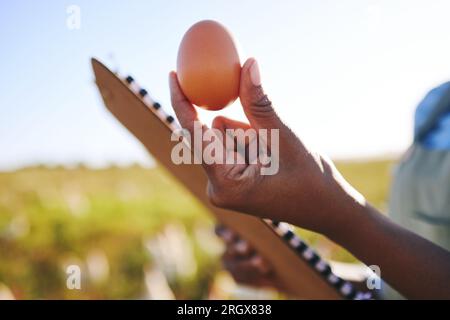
point(50, 217)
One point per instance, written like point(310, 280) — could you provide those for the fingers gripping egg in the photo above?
point(208, 66)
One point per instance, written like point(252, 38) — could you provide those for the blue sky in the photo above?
point(345, 75)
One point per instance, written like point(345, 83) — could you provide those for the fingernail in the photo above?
point(260, 264)
point(227, 236)
point(255, 76)
point(241, 246)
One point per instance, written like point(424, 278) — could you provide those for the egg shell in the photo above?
point(208, 66)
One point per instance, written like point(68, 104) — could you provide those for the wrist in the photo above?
point(352, 220)
point(357, 227)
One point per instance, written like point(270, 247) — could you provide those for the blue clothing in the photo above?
point(438, 138)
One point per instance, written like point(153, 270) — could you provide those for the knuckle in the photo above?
point(216, 198)
point(262, 104)
point(225, 192)
point(223, 199)
point(218, 121)
point(262, 100)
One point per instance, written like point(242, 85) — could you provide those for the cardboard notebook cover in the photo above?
point(154, 133)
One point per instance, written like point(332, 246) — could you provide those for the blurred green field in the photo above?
point(134, 232)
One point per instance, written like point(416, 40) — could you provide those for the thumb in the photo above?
point(257, 106)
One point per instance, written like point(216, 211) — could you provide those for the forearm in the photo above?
point(414, 266)
point(309, 192)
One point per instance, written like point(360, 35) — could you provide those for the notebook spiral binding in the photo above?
point(345, 288)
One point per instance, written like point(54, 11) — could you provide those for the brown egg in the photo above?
point(208, 66)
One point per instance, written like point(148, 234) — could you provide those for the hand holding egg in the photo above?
point(305, 183)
